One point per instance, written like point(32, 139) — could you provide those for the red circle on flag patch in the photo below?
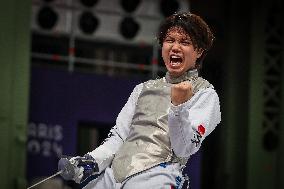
point(201, 129)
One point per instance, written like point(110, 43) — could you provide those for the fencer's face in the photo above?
point(178, 52)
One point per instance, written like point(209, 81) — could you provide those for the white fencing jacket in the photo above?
point(189, 123)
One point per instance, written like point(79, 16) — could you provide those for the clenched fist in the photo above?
point(181, 92)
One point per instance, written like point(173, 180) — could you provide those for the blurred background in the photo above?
point(68, 66)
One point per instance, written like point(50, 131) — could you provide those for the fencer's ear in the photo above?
point(199, 53)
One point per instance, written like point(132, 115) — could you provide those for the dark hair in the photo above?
point(201, 35)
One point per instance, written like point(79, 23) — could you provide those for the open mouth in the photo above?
point(175, 60)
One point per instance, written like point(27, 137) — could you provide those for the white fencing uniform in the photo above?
point(141, 153)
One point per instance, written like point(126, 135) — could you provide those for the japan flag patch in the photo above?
point(201, 129)
point(197, 135)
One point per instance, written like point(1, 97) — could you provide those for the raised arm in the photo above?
point(190, 122)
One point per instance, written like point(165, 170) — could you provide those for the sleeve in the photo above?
point(105, 152)
point(192, 121)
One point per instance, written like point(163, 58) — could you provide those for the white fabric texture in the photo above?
point(158, 177)
point(183, 120)
point(184, 124)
